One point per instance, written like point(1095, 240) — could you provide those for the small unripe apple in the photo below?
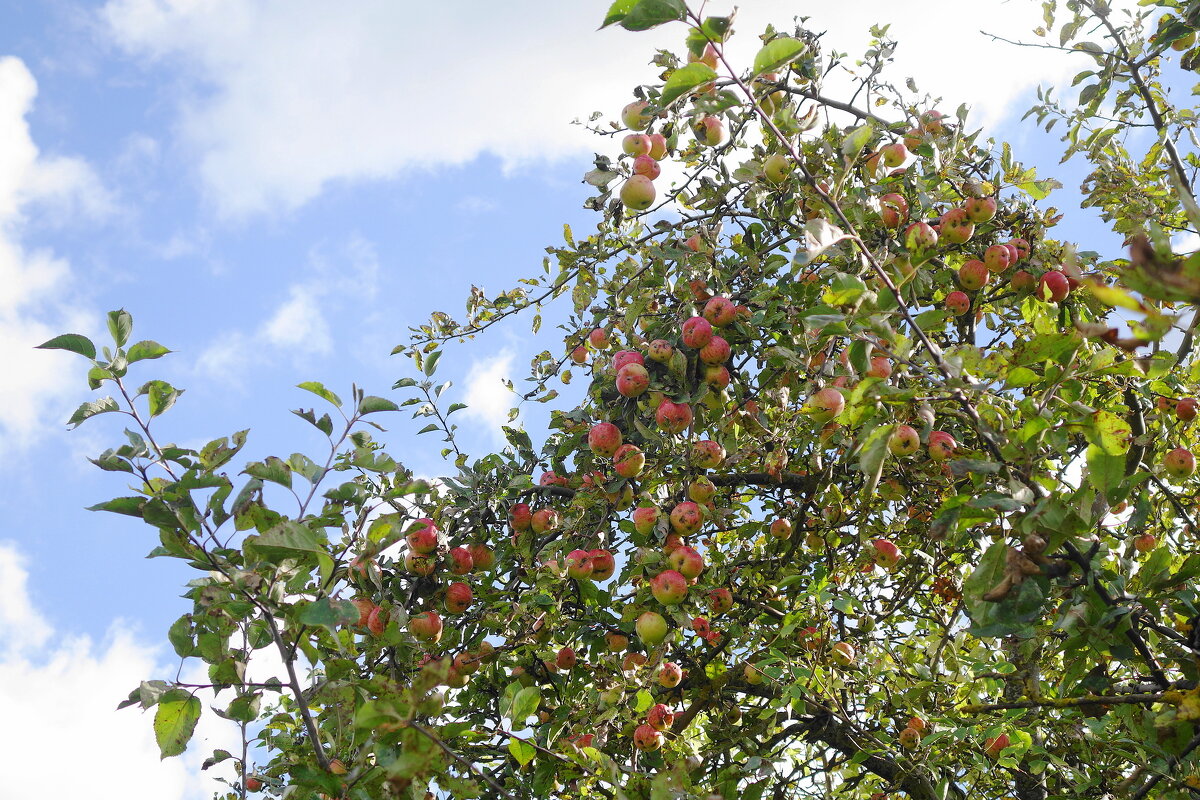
point(842, 654)
point(544, 519)
point(461, 561)
point(904, 441)
point(634, 115)
point(687, 561)
point(885, 553)
point(604, 439)
point(579, 564)
point(458, 597)
point(644, 519)
point(426, 626)
point(651, 628)
point(645, 737)
point(777, 167)
point(941, 445)
point(973, 275)
point(893, 210)
point(720, 600)
point(638, 193)
point(980, 209)
point(825, 404)
point(752, 674)
point(1053, 287)
point(632, 380)
point(957, 303)
point(670, 675)
point(1179, 464)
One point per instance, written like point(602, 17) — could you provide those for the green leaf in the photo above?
point(370, 404)
point(90, 409)
point(617, 12)
point(329, 613)
point(129, 506)
point(285, 540)
point(647, 14)
point(145, 349)
point(872, 455)
point(272, 469)
point(320, 391)
point(521, 751)
point(160, 396)
point(525, 704)
point(777, 53)
point(1105, 471)
point(431, 362)
point(986, 575)
point(120, 325)
point(74, 342)
point(684, 79)
point(174, 721)
point(1110, 433)
point(856, 140)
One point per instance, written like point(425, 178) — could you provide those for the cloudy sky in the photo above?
point(276, 190)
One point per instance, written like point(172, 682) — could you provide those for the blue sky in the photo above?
point(276, 192)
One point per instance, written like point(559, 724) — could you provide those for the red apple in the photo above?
point(1053, 287)
point(598, 338)
point(461, 561)
point(893, 210)
point(707, 454)
point(603, 565)
point(973, 275)
point(604, 438)
point(647, 166)
point(1186, 408)
point(687, 561)
point(670, 675)
point(715, 352)
point(669, 587)
point(659, 717)
point(378, 620)
point(956, 227)
point(482, 557)
point(1179, 464)
point(980, 209)
point(544, 519)
point(781, 529)
point(957, 303)
point(884, 553)
point(423, 536)
point(420, 563)
point(719, 600)
point(426, 626)
point(644, 519)
point(520, 516)
point(686, 518)
point(632, 380)
point(623, 357)
point(629, 460)
point(645, 737)
point(1023, 282)
point(565, 659)
point(673, 417)
point(719, 311)
point(825, 404)
point(579, 564)
point(458, 597)
point(696, 332)
point(998, 258)
point(994, 744)
point(941, 445)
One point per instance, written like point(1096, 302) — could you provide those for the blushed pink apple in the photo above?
point(482, 556)
point(716, 351)
point(941, 445)
point(598, 338)
point(893, 210)
point(980, 209)
point(673, 417)
point(904, 441)
point(707, 454)
point(636, 144)
point(669, 587)
point(623, 357)
point(634, 115)
point(998, 258)
point(885, 553)
point(420, 563)
point(603, 564)
point(670, 675)
point(920, 237)
point(460, 560)
point(423, 537)
point(957, 303)
point(544, 519)
point(702, 489)
point(720, 600)
point(720, 311)
point(426, 626)
point(956, 228)
point(658, 146)
point(604, 438)
point(520, 515)
point(644, 519)
point(781, 529)
point(1179, 464)
point(1023, 282)
point(825, 404)
point(646, 738)
point(1053, 287)
point(638, 193)
point(696, 332)
point(973, 275)
point(660, 350)
point(686, 518)
point(579, 564)
point(458, 597)
point(686, 561)
point(632, 380)
point(629, 461)
point(647, 166)
point(717, 376)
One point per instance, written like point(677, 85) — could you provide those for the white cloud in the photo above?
point(488, 399)
point(298, 324)
point(290, 95)
point(37, 298)
point(60, 690)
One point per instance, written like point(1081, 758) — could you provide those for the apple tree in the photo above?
point(867, 486)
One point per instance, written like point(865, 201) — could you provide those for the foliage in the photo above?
point(1002, 606)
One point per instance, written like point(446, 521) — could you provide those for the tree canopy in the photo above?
point(873, 487)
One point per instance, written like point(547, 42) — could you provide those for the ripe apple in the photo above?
point(669, 587)
point(956, 227)
point(941, 445)
point(842, 654)
point(616, 642)
point(1145, 543)
point(776, 167)
point(423, 537)
point(1186, 408)
point(426, 626)
point(781, 529)
point(461, 560)
point(636, 144)
point(660, 717)
point(365, 606)
point(623, 357)
point(603, 564)
point(696, 332)
point(920, 237)
point(565, 659)
point(458, 597)
point(716, 351)
point(252, 783)
point(466, 663)
point(973, 275)
point(881, 367)
point(544, 519)
point(482, 557)
point(717, 376)
point(670, 675)
point(645, 737)
point(998, 258)
point(687, 561)
point(893, 210)
point(957, 303)
point(632, 380)
point(720, 600)
point(700, 625)
point(1179, 464)
point(651, 628)
point(686, 518)
point(378, 620)
point(752, 674)
point(931, 122)
point(910, 739)
point(604, 438)
point(660, 350)
point(420, 563)
point(520, 516)
point(629, 460)
point(994, 744)
point(552, 478)
point(644, 519)
point(1053, 287)
point(579, 355)
point(673, 417)
point(658, 146)
point(702, 490)
point(885, 553)
point(980, 209)
point(904, 441)
point(1022, 248)
point(719, 311)
point(634, 115)
point(638, 193)
point(709, 131)
point(826, 404)
point(707, 454)
point(579, 564)
point(598, 338)
point(647, 166)
point(894, 154)
point(1023, 282)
